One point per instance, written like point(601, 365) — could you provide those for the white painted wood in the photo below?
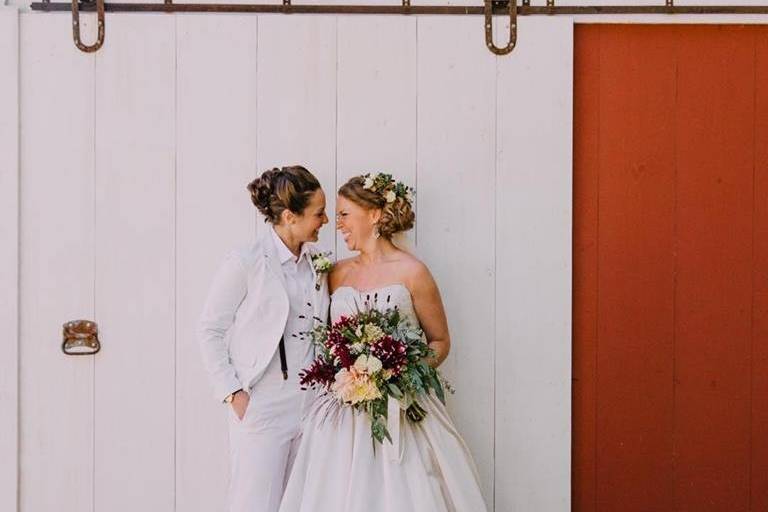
point(376, 100)
point(533, 270)
point(456, 164)
point(9, 255)
point(56, 274)
point(420, 97)
point(297, 101)
point(134, 219)
point(216, 159)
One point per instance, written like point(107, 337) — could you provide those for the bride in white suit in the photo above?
point(261, 300)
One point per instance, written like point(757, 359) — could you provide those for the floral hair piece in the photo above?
point(385, 185)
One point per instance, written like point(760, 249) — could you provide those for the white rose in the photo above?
point(374, 365)
point(361, 363)
point(367, 364)
point(390, 196)
point(368, 183)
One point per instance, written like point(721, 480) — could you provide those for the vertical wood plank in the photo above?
point(718, 330)
point(759, 427)
point(377, 100)
point(634, 417)
point(57, 258)
point(297, 101)
point(586, 122)
point(715, 155)
point(9, 256)
point(134, 374)
point(216, 158)
point(455, 229)
point(533, 230)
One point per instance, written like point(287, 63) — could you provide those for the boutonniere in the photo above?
point(322, 264)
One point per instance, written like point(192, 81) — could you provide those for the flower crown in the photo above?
point(385, 184)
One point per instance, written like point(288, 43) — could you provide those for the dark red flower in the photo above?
point(341, 352)
point(392, 354)
point(319, 373)
point(344, 322)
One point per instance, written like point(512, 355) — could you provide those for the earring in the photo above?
point(376, 233)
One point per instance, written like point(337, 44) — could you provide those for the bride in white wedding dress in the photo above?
point(427, 467)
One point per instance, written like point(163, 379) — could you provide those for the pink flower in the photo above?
point(354, 387)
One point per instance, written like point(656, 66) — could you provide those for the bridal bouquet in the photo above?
point(371, 357)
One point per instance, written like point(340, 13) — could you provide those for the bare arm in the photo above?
point(429, 309)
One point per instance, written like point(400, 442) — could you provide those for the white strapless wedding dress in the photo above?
point(428, 468)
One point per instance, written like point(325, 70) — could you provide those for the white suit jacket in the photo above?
point(245, 315)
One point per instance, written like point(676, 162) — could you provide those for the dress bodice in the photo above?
point(346, 301)
point(426, 466)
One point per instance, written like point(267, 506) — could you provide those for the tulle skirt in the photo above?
point(337, 468)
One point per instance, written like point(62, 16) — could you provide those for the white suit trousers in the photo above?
point(263, 444)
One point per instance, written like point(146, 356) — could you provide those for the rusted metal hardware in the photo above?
point(457, 10)
point(76, 26)
point(492, 7)
point(512, 38)
point(81, 338)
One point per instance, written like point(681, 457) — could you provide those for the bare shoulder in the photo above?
point(340, 270)
point(416, 273)
point(343, 266)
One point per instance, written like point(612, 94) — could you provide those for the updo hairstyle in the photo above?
point(280, 189)
point(396, 215)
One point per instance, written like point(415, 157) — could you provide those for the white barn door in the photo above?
point(137, 191)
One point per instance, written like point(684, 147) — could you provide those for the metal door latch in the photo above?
point(81, 338)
